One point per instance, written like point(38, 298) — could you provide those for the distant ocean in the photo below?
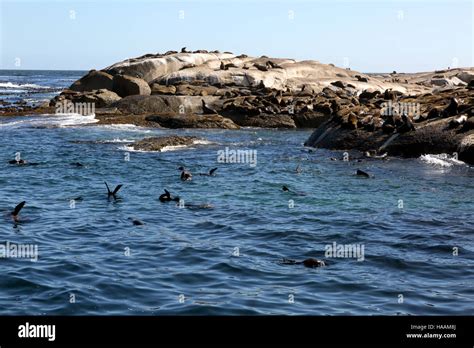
point(34, 86)
point(410, 225)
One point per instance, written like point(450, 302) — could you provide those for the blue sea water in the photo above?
point(93, 261)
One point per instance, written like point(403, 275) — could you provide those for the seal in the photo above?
point(362, 173)
point(136, 222)
point(310, 263)
point(206, 110)
point(166, 197)
point(114, 192)
point(211, 172)
point(14, 214)
point(185, 175)
point(452, 108)
point(406, 125)
point(286, 189)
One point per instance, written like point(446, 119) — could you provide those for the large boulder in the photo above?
point(104, 97)
point(94, 80)
point(125, 85)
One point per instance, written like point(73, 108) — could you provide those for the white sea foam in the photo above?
point(26, 85)
point(174, 148)
point(47, 120)
point(125, 127)
point(441, 160)
point(118, 140)
point(202, 142)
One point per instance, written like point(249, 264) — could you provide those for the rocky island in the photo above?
point(394, 113)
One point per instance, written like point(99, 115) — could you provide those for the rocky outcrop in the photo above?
point(125, 85)
point(408, 126)
point(255, 91)
point(158, 143)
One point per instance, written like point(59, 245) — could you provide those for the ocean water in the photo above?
point(412, 219)
point(34, 86)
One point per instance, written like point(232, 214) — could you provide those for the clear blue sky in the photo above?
point(370, 36)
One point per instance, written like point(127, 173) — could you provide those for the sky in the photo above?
point(368, 36)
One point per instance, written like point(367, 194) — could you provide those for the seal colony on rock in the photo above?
point(210, 89)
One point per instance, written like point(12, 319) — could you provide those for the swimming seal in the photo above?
point(362, 173)
point(166, 197)
point(14, 214)
point(286, 189)
point(211, 172)
point(114, 192)
point(310, 263)
point(136, 222)
point(185, 175)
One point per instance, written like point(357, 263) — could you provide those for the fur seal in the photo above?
point(211, 172)
point(222, 67)
point(14, 214)
point(286, 189)
point(207, 110)
point(77, 164)
point(166, 197)
point(273, 65)
point(112, 193)
point(136, 222)
point(452, 108)
point(310, 263)
point(183, 50)
point(362, 173)
point(406, 125)
point(261, 67)
point(185, 174)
